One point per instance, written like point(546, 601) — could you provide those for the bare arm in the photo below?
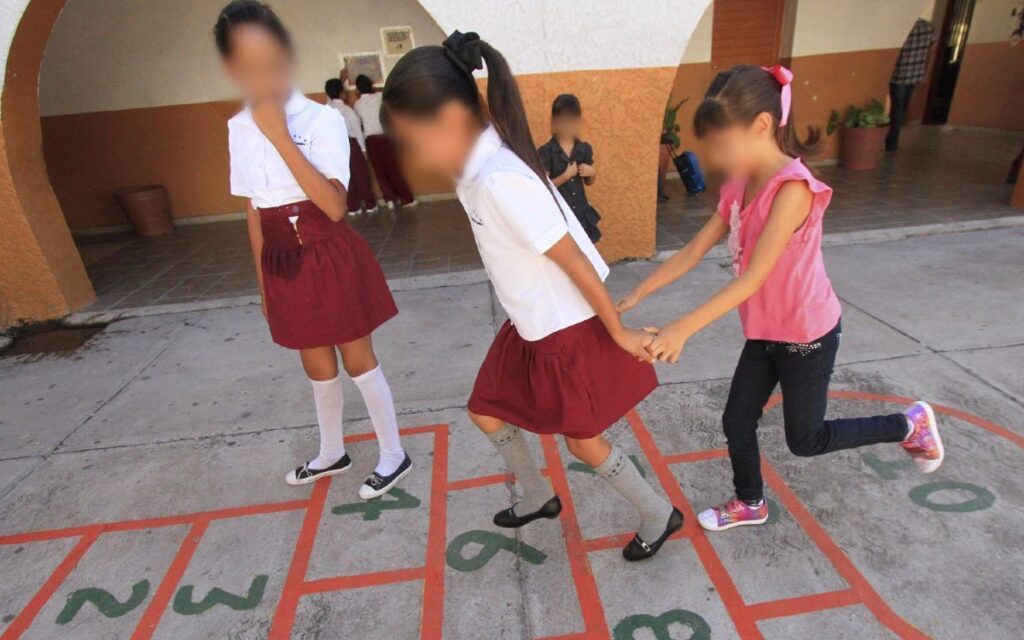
point(679, 264)
point(252, 222)
point(789, 211)
point(567, 255)
point(570, 171)
point(328, 195)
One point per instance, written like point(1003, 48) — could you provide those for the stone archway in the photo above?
point(41, 273)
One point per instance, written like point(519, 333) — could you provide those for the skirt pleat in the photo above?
point(575, 382)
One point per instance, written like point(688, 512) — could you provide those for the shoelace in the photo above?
point(374, 480)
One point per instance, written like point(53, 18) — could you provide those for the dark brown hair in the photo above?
point(427, 77)
point(738, 95)
point(566, 103)
point(239, 12)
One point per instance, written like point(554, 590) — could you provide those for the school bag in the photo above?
point(689, 171)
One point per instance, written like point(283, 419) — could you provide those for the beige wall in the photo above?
point(833, 26)
point(992, 21)
point(110, 55)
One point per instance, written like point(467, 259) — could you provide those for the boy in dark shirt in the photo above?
point(570, 161)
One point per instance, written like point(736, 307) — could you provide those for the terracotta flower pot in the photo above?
point(147, 208)
point(862, 147)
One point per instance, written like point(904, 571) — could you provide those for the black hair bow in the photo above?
point(463, 49)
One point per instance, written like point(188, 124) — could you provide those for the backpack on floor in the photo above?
point(689, 171)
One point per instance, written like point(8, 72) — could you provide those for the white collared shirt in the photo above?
point(515, 220)
point(257, 170)
point(368, 108)
point(352, 123)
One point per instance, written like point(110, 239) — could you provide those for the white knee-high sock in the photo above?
point(381, 407)
point(330, 401)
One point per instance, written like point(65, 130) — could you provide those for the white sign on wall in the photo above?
point(367, 63)
point(396, 41)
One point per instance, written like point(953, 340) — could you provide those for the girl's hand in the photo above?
point(571, 171)
point(668, 343)
point(587, 170)
point(269, 117)
point(631, 300)
point(636, 342)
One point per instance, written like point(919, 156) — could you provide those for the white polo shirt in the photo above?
point(368, 108)
point(515, 220)
point(352, 122)
point(257, 170)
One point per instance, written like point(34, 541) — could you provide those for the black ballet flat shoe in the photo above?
point(509, 519)
point(637, 549)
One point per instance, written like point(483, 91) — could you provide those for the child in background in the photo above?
point(564, 363)
point(322, 288)
point(570, 162)
point(360, 191)
point(772, 209)
point(382, 154)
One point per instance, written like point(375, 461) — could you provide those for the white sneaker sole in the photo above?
point(370, 494)
point(741, 523)
point(925, 465)
point(326, 474)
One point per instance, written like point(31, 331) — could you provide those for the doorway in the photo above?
point(956, 23)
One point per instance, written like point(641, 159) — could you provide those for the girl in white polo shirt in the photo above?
point(563, 363)
point(323, 290)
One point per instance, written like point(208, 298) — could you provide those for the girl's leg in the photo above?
point(610, 464)
point(321, 365)
point(752, 384)
point(511, 444)
point(804, 374)
point(361, 365)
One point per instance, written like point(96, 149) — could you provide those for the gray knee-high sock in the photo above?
point(511, 445)
point(623, 476)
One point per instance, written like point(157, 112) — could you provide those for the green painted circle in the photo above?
point(983, 498)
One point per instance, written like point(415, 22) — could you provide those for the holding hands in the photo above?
point(663, 344)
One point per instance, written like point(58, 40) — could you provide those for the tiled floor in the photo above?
point(208, 261)
point(937, 177)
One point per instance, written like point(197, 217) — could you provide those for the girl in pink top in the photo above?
point(772, 208)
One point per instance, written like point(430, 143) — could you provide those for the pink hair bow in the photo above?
point(784, 77)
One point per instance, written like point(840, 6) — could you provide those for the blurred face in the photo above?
point(438, 144)
point(259, 64)
point(566, 125)
point(739, 150)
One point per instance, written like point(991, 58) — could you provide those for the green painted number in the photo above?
point(661, 626)
point(983, 498)
point(371, 509)
point(586, 468)
point(186, 606)
point(104, 601)
point(884, 468)
point(490, 544)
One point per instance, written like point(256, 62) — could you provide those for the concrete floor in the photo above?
point(141, 481)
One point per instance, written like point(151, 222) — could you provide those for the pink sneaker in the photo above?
point(733, 513)
point(923, 444)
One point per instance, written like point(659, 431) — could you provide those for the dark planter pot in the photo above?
point(862, 147)
point(147, 208)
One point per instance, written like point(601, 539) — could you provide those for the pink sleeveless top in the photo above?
point(796, 302)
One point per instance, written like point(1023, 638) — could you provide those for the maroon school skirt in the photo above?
point(360, 193)
point(575, 382)
point(322, 283)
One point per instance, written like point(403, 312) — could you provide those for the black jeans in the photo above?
point(899, 97)
point(803, 370)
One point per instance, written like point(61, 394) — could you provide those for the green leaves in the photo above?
point(869, 116)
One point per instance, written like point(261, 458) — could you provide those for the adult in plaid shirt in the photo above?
point(909, 72)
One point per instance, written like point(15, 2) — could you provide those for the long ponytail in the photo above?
point(428, 77)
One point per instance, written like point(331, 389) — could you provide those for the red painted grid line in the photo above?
point(162, 597)
point(745, 623)
point(586, 587)
point(432, 620)
point(28, 614)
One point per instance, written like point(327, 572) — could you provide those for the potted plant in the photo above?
point(864, 131)
point(668, 142)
